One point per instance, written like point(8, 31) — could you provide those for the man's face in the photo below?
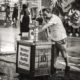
point(15, 5)
point(46, 14)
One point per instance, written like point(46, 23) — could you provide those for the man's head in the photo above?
point(46, 13)
point(24, 6)
point(15, 5)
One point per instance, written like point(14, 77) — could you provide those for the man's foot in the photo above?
point(70, 34)
point(20, 34)
point(5, 24)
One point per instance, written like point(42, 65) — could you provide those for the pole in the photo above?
point(19, 10)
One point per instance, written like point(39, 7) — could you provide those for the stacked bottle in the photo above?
point(36, 34)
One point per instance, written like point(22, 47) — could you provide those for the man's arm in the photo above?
point(46, 25)
point(21, 18)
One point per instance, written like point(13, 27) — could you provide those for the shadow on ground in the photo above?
point(72, 75)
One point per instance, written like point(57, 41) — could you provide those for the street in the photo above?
point(8, 39)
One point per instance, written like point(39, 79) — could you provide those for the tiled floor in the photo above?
point(8, 38)
point(73, 50)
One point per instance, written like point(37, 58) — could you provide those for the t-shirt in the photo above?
point(15, 12)
point(56, 30)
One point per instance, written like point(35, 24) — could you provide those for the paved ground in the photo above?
point(8, 38)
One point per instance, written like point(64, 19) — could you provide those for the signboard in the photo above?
point(24, 57)
point(43, 60)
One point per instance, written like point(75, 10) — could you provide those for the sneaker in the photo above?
point(77, 34)
point(70, 34)
point(20, 34)
point(4, 24)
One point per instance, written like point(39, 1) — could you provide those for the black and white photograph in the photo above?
point(39, 39)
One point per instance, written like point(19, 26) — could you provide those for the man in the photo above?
point(15, 14)
point(57, 33)
point(7, 10)
point(24, 20)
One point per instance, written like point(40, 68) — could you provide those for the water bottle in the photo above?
point(36, 34)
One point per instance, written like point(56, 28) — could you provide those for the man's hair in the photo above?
point(24, 6)
point(46, 9)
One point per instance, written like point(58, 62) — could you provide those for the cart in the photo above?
point(34, 60)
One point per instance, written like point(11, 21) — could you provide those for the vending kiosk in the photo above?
point(34, 59)
point(35, 56)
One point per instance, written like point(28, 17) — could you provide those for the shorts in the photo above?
point(63, 41)
point(61, 45)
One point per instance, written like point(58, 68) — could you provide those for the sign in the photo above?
point(43, 60)
point(24, 57)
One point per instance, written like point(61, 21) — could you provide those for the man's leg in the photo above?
point(55, 55)
point(64, 55)
point(62, 47)
point(16, 21)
